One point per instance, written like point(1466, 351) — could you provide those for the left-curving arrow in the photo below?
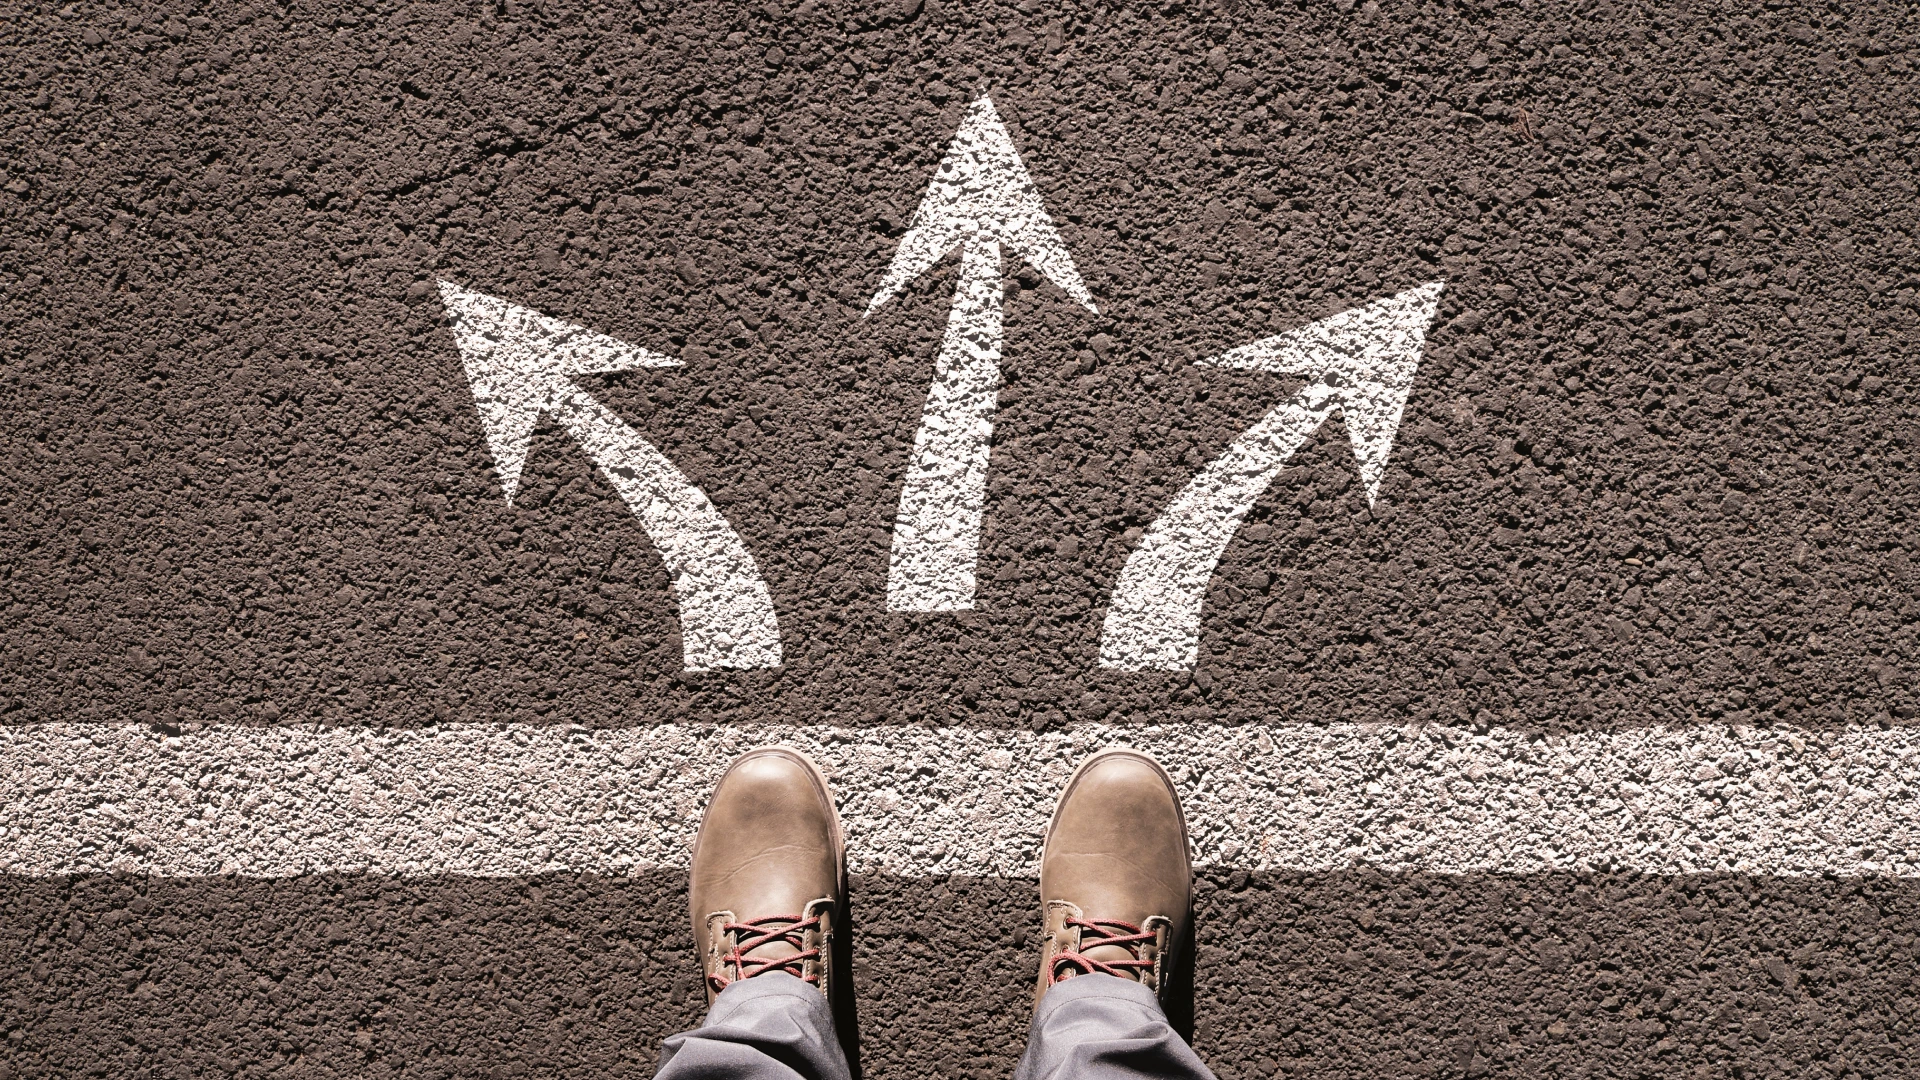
point(519, 363)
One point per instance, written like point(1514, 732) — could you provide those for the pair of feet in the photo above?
point(769, 882)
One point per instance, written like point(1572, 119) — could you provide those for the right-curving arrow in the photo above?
point(1362, 363)
point(981, 199)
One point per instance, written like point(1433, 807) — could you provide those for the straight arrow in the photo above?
point(520, 364)
point(981, 199)
point(1362, 363)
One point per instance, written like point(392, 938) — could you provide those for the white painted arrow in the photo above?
point(981, 198)
point(520, 363)
point(1362, 362)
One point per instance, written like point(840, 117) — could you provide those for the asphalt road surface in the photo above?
point(1608, 686)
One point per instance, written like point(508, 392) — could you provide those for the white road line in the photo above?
point(511, 800)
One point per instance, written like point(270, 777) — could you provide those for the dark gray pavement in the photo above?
point(1656, 468)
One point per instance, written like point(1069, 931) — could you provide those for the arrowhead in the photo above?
point(518, 362)
point(1365, 357)
point(981, 190)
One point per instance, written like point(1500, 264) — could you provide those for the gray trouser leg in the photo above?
point(1098, 1027)
point(769, 1027)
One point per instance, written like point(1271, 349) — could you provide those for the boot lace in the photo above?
point(1097, 932)
point(754, 933)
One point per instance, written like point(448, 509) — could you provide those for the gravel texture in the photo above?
point(1654, 473)
point(1345, 974)
point(1655, 466)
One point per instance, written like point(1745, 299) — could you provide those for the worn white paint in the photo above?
point(520, 364)
point(1362, 364)
point(981, 200)
point(508, 800)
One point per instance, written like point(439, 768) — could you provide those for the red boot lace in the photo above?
point(766, 930)
point(1097, 932)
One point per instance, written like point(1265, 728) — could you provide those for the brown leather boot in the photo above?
point(1116, 875)
point(769, 878)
